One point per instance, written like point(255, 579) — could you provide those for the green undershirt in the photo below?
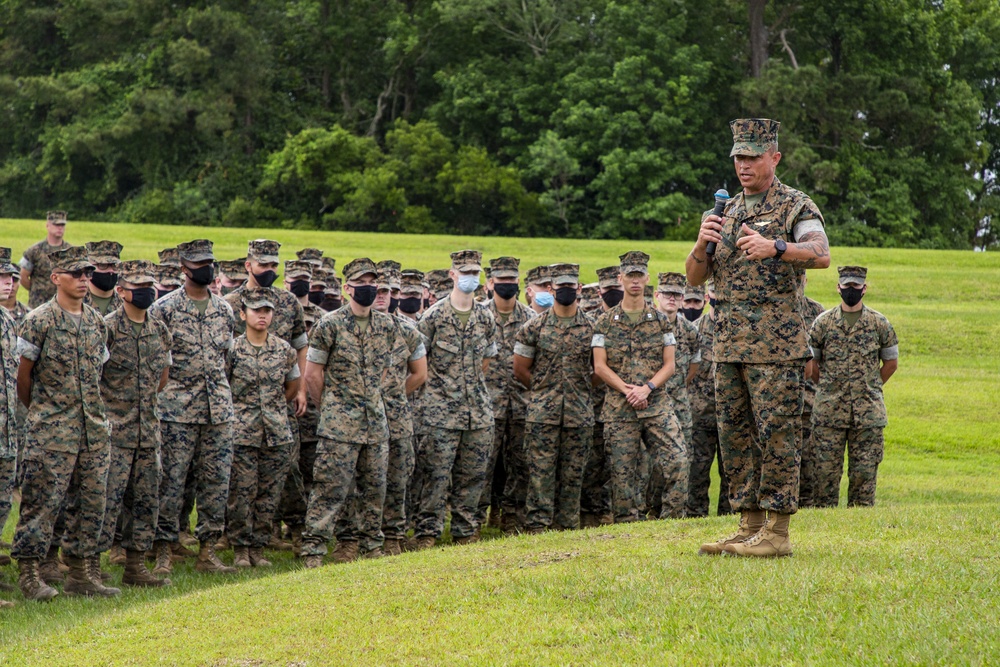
point(362, 322)
point(752, 200)
point(137, 327)
point(565, 322)
point(503, 316)
point(201, 305)
point(101, 303)
point(463, 315)
point(633, 315)
point(851, 317)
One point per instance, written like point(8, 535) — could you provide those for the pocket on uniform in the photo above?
point(782, 388)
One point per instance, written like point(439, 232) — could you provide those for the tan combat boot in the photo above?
point(96, 565)
point(588, 520)
point(49, 570)
point(136, 573)
point(276, 542)
point(295, 535)
point(750, 522)
point(178, 552)
point(421, 543)
point(462, 541)
point(164, 563)
point(392, 547)
point(241, 557)
point(494, 520)
point(312, 561)
point(209, 563)
point(4, 560)
point(346, 551)
point(222, 544)
point(116, 556)
point(375, 553)
point(83, 579)
point(771, 541)
point(33, 587)
point(257, 557)
point(186, 539)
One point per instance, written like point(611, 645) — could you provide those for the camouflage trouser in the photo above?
point(342, 467)
point(398, 471)
point(663, 438)
point(8, 472)
point(515, 460)
point(187, 508)
point(595, 497)
point(807, 468)
point(557, 456)
point(292, 508)
point(255, 484)
point(75, 484)
point(654, 490)
point(758, 408)
point(133, 498)
point(508, 438)
point(704, 449)
point(865, 447)
point(459, 458)
point(416, 485)
point(207, 449)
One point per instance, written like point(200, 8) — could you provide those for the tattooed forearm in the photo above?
point(697, 259)
point(812, 251)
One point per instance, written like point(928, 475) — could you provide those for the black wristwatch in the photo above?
point(652, 387)
point(779, 248)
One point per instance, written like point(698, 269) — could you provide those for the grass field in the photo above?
point(912, 581)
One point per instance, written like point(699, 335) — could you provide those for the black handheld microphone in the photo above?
point(721, 197)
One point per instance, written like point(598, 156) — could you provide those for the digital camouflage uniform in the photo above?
point(262, 437)
point(129, 387)
point(458, 413)
point(104, 252)
point(509, 406)
point(849, 406)
point(560, 416)
point(9, 429)
point(686, 353)
point(705, 429)
point(353, 448)
point(810, 311)
point(760, 353)
point(17, 314)
point(635, 354)
point(196, 408)
point(67, 444)
point(289, 325)
point(36, 261)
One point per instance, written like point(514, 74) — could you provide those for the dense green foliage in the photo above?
point(566, 118)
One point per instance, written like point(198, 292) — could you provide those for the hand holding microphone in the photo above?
point(721, 198)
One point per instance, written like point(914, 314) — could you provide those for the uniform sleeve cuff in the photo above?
point(804, 227)
point(317, 356)
point(26, 264)
point(293, 373)
point(29, 351)
point(300, 341)
point(491, 351)
point(889, 353)
point(522, 350)
point(419, 353)
point(668, 340)
point(597, 340)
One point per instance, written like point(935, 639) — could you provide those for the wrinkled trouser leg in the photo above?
point(458, 458)
point(557, 457)
point(596, 495)
point(865, 447)
point(132, 498)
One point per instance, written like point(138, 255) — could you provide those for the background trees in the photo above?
point(585, 118)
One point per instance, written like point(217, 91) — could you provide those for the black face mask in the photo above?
point(265, 278)
point(851, 295)
point(714, 303)
point(427, 304)
point(692, 313)
point(410, 304)
point(506, 290)
point(299, 288)
point(364, 295)
point(203, 276)
point(489, 294)
point(143, 297)
point(104, 281)
point(331, 303)
point(393, 304)
point(613, 297)
point(160, 293)
point(565, 296)
point(316, 296)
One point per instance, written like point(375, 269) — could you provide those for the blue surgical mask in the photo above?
point(468, 284)
point(545, 299)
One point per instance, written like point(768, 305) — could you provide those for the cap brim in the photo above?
point(296, 274)
point(565, 280)
point(198, 257)
point(468, 267)
point(411, 289)
point(634, 268)
point(10, 268)
point(105, 259)
point(670, 290)
point(852, 280)
point(264, 259)
point(504, 273)
point(745, 149)
point(61, 223)
point(257, 305)
point(77, 266)
point(358, 274)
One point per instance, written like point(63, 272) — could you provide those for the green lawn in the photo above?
point(912, 581)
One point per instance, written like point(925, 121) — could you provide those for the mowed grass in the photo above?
point(912, 581)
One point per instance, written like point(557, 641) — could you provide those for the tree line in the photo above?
point(564, 118)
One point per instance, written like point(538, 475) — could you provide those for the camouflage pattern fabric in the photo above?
point(757, 315)
point(288, 322)
point(661, 435)
point(66, 411)
point(8, 477)
point(703, 449)
point(258, 474)
point(9, 361)
point(399, 468)
point(36, 261)
point(510, 399)
point(197, 390)
point(455, 458)
point(456, 384)
point(514, 495)
point(71, 483)
point(113, 305)
point(18, 312)
point(561, 371)
point(207, 451)
point(702, 388)
point(635, 353)
point(133, 498)
point(409, 347)
point(810, 311)
point(257, 377)
point(865, 447)
point(557, 457)
point(131, 378)
point(759, 408)
point(595, 496)
point(850, 387)
point(343, 468)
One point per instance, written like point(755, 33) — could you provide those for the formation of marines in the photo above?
point(353, 413)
